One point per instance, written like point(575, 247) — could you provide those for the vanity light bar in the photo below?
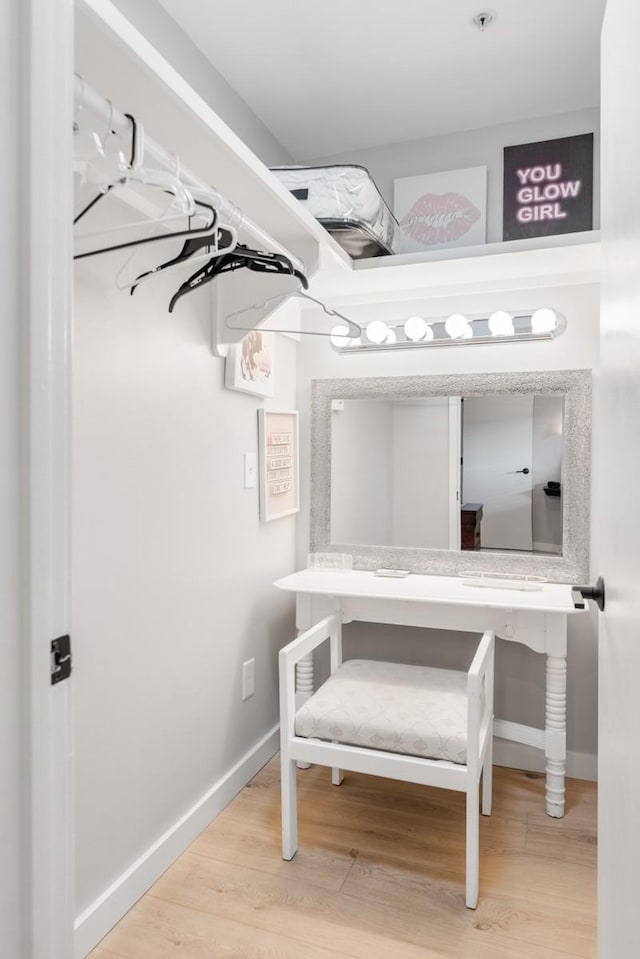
point(455, 330)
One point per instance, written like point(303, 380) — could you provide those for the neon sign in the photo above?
point(543, 196)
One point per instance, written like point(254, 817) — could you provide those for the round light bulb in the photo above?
point(544, 321)
point(340, 336)
point(457, 326)
point(391, 337)
point(377, 332)
point(415, 328)
point(501, 323)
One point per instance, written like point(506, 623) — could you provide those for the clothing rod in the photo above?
point(86, 98)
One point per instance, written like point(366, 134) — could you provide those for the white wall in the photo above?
point(361, 490)
point(483, 147)
point(420, 465)
point(390, 473)
point(152, 20)
point(172, 569)
point(520, 673)
point(13, 787)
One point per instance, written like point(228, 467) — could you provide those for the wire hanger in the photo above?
point(353, 329)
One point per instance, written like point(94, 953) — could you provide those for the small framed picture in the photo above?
point(442, 210)
point(279, 475)
point(249, 364)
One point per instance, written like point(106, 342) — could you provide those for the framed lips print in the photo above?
point(442, 210)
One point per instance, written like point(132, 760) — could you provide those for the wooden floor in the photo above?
point(379, 875)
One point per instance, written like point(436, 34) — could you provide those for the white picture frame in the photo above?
point(439, 211)
point(279, 471)
point(249, 365)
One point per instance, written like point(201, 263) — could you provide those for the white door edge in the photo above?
point(47, 270)
point(455, 451)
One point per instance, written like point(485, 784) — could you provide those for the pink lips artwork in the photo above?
point(439, 218)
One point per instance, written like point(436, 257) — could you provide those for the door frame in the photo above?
point(455, 472)
point(46, 282)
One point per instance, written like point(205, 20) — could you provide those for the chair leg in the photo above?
point(473, 846)
point(487, 779)
point(289, 807)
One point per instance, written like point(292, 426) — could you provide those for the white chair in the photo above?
point(413, 723)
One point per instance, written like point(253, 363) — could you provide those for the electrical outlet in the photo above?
point(248, 678)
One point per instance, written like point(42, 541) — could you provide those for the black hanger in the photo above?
point(263, 262)
point(154, 239)
point(240, 258)
point(190, 247)
point(90, 206)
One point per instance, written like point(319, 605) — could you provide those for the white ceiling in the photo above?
point(329, 76)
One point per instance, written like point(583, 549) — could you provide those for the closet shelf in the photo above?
point(567, 260)
point(119, 61)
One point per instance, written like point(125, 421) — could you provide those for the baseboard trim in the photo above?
point(103, 913)
point(520, 756)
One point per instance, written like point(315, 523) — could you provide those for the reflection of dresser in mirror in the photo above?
point(470, 522)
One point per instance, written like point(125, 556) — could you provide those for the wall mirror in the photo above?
point(442, 474)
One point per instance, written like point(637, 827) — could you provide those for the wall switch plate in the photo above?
point(248, 678)
point(250, 471)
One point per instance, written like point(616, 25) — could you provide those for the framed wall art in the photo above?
point(249, 366)
point(278, 463)
point(548, 187)
point(442, 210)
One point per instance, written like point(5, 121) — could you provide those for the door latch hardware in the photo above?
point(60, 659)
point(596, 593)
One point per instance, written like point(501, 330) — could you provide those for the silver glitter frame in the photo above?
point(573, 385)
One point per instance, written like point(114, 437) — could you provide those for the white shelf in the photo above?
point(533, 245)
point(122, 65)
point(117, 60)
point(567, 260)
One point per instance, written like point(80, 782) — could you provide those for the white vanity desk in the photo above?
point(536, 618)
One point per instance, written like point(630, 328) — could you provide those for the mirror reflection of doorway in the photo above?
point(396, 472)
point(497, 458)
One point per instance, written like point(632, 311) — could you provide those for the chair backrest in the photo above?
point(480, 698)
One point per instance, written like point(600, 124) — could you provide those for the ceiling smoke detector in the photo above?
point(484, 19)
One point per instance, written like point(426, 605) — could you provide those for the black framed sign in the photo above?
point(548, 187)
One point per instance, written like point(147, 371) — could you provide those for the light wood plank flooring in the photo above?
point(379, 874)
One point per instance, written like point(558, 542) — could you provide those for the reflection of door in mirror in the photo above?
point(497, 452)
point(395, 472)
point(512, 450)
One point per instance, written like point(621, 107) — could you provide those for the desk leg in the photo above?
point(555, 734)
point(304, 688)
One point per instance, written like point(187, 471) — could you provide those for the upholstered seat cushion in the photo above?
point(415, 710)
